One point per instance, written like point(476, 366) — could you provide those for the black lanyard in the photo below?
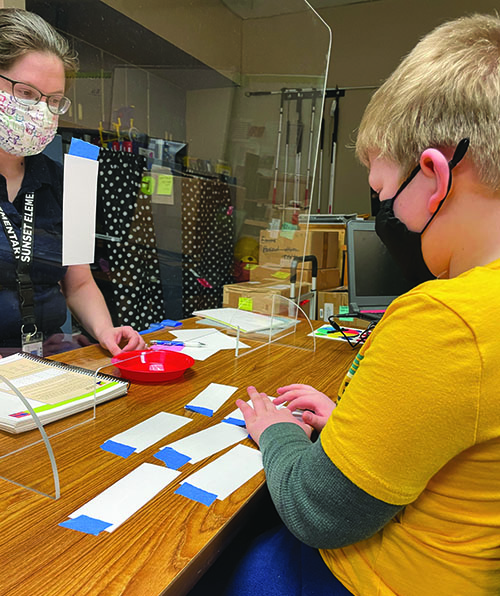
point(22, 249)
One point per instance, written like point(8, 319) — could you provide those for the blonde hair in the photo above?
point(446, 89)
point(22, 32)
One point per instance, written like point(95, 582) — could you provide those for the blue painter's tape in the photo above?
point(85, 524)
point(171, 323)
point(200, 410)
point(172, 458)
point(235, 421)
point(81, 148)
point(196, 494)
point(118, 448)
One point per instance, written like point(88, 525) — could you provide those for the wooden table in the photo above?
point(168, 544)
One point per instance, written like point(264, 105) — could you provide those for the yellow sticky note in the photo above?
point(165, 184)
point(245, 303)
point(281, 274)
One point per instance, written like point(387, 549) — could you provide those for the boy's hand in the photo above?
point(318, 406)
point(264, 414)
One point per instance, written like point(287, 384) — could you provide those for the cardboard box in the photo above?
point(329, 302)
point(257, 296)
point(327, 278)
point(280, 247)
point(329, 227)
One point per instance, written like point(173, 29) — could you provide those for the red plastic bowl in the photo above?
point(149, 366)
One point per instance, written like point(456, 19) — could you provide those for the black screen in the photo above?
point(376, 273)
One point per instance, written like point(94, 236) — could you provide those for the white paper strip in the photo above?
point(211, 398)
point(228, 472)
point(147, 433)
point(79, 209)
point(122, 499)
point(209, 441)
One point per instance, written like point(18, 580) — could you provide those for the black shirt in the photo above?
point(43, 177)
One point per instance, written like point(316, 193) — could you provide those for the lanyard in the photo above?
point(23, 253)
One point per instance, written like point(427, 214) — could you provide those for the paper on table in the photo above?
point(122, 499)
point(206, 442)
point(79, 209)
point(322, 332)
point(210, 337)
point(146, 433)
point(211, 398)
point(228, 472)
point(214, 341)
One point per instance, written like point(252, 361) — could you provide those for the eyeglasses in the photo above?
point(356, 340)
point(27, 95)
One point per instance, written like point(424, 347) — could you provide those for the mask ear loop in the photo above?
point(458, 155)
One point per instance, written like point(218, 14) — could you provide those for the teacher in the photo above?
point(35, 288)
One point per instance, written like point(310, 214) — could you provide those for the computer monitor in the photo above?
point(374, 278)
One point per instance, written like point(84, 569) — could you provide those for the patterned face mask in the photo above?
point(25, 129)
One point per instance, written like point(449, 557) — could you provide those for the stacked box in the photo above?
point(258, 296)
point(327, 278)
point(330, 301)
point(280, 247)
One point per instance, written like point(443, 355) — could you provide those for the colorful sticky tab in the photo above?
point(172, 458)
point(196, 494)
point(86, 524)
point(117, 448)
point(81, 148)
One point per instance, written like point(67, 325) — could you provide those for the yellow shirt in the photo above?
point(418, 424)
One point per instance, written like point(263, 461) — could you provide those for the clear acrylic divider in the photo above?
point(41, 401)
point(288, 325)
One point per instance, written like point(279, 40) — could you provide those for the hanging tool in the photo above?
point(334, 113)
point(320, 177)
point(287, 146)
point(277, 162)
point(309, 153)
point(298, 154)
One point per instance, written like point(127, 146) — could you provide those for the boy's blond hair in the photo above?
point(446, 89)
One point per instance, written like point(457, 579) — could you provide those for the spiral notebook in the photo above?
point(53, 389)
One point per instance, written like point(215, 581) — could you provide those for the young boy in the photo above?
point(401, 492)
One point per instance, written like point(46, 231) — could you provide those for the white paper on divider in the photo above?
point(79, 209)
point(211, 398)
point(209, 441)
point(122, 499)
point(147, 433)
point(228, 472)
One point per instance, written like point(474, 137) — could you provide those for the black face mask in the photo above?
point(406, 246)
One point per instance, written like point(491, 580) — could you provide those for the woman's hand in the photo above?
point(111, 337)
point(264, 414)
point(318, 406)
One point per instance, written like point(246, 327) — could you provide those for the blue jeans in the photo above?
point(277, 564)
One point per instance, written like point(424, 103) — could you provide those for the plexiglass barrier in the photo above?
point(207, 118)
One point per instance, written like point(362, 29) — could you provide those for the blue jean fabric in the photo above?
point(277, 564)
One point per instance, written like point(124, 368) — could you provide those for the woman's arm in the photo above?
point(86, 301)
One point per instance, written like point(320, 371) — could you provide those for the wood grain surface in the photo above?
point(168, 544)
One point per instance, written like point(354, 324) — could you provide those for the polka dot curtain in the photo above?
point(126, 217)
point(207, 243)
